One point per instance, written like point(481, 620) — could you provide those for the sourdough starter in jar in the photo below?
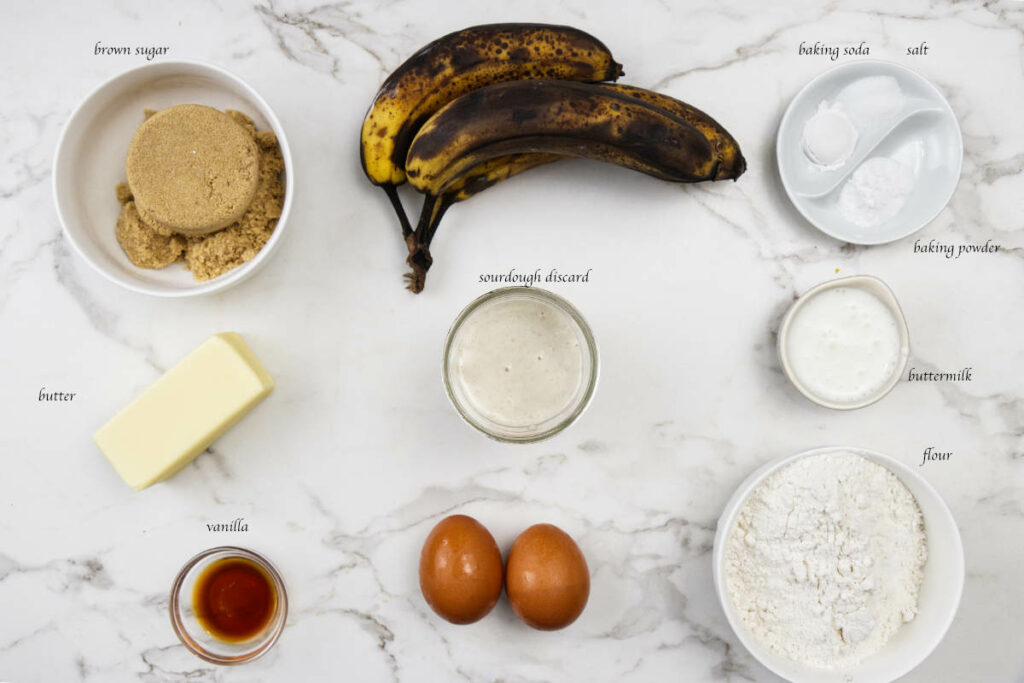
point(519, 364)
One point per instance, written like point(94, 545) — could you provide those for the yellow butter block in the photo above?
point(185, 411)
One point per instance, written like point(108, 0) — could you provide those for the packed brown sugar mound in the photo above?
point(204, 187)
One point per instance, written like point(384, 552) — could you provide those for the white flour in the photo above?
point(826, 559)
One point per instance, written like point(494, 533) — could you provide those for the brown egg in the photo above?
point(546, 578)
point(460, 570)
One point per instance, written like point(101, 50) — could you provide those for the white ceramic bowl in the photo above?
point(929, 143)
point(90, 162)
point(938, 600)
point(872, 285)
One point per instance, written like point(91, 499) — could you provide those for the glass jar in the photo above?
point(520, 389)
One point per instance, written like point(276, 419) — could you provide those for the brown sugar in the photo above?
point(152, 243)
point(192, 169)
point(210, 255)
point(145, 247)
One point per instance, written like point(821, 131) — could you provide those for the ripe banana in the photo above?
point(556, 117)
point(459, 63)
point(495, 132)
point(731, 163)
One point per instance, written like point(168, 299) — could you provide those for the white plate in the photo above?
point(929, 142)
point(938, 600)
point(90, 162)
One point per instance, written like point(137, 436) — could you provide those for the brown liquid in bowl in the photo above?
point(234, 599)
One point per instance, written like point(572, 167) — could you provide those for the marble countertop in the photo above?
point(341, 473)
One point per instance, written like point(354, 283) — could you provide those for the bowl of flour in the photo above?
point(838, 565)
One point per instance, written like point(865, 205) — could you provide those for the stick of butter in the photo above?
point(185, 411)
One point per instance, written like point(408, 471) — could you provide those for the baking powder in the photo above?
point(876, 191)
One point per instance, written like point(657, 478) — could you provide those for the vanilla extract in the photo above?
point(234, 599)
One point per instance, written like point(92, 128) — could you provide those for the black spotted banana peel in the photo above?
point(493, 171)
point(731, 163)
point(458, 63)
point(555, 118)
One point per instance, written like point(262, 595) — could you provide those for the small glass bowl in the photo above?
point(191, 632)
point(548, 427)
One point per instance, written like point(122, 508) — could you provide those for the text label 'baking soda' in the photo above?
point(819, 49)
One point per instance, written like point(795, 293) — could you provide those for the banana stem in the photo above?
point(391, 190)
point(440, 207)
point(419, 259)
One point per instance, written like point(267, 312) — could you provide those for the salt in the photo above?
point(872, 100)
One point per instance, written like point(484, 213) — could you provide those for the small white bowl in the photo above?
point(930, 143)
point(90, 156)
point(872, 285)
point(938, 600)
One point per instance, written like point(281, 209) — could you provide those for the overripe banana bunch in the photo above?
point(457, 64)
point(470, 137)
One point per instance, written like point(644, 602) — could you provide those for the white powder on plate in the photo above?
point(875, 192)
point(829, 138)
point(869, 99)
point(826, 559)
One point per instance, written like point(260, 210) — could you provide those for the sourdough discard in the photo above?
point(826, 559)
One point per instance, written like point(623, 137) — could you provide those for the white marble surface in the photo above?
point(341, 473)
